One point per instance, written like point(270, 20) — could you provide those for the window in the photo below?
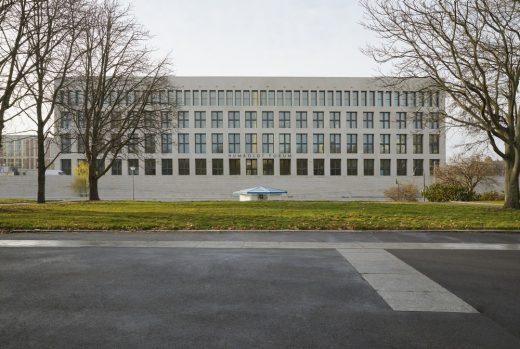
point(117, 167)
point(184, 167)
point(384, 144)
point(251, 143)
point(271, 98)
point(267, 119)
point(66, 166)
point(200, 167)
point(149, 167)
point(200, 119)
point(352, 167)
point(234, 143)
point(187, 98)
point(166, 120)
point(285, 143)
point(401, 144)
point(319, 167)
point(355, 98)
point(402, 167)
point(335, 167)
point(279, 98)
point(335, 143)
point(234, 119)
point(368, 167)
point(321, 98)
point(434, 163)
point(285, 167)
point(296, 98)
point(221, 97)
point(418, 167)
point(368, 143)
point(263, 98)
point(285, 119)
point(318, 119)
point(433, 121)
point(417, 143)
point(401, 120)
point(338, 98)
point(335, 117)
point(217, 167)
point(166, 143)
point(301, 143)
point(302, 167)
point(184, 120)
point(200, 143)
point(352, 119)
point(330, 98)
point(217, 119)
point(81, 119)
point(229, 98)
point(384, 167)
point(238, 98)
point(184, 143)
point(149, 143)
point(388, 101)
point(167, 167)
point(217, 143)
point(212, 99)
point(234, 167)
point(301, 119)
point(352, 143)
point(368, 120)
point(372, 98)
point(318, 144)
point(247, 98)
point(148, 120)
point(251, 167)
point(384, 119)
point(288, 98)
point(418, 121)
point(434, 144)
point(268, 167)
point(250, 119)
point(203, 98)
point(314, 98)
point(66, 120)
point(66, 143)
point(268, 143)
point(133, 164)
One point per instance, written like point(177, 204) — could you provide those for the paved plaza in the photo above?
point(260, 289)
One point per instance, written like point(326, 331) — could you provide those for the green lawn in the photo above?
point(255, 215)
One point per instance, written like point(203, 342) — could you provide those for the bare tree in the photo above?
point(123, 88)
point(470, 50)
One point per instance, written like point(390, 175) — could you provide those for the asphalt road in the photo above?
point(109, 297)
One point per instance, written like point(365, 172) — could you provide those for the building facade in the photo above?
point(19, 153)
point(317, 137)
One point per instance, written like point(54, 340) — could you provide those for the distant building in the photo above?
point(20, 152)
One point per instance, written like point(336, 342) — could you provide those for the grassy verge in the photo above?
point(255, 215)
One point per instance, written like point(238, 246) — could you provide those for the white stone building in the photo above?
point(319, 138)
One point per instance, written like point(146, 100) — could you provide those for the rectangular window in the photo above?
point(355, 98)
point(267, 143)
point(187, 98)
point(433, 121)
point(318, 119)
point(200, 167)
point(335, 167)
point(285, 167)
point(247, 98)
point(417, 143)
point(166, 119)
point(149, 143)
point(149, 167)
point(368, 143)
point(183, 143)
point(217, 167)
point(288, 98)
point(184, 167)
point(167, 167)
point(401, 167)
point(372, 98)
point(212, 99)
point(268, 167)
point(263, 98)
point(363, 101)
point(66, 143)
point(418, 167)
point(368, 167)
point(217, 119)
point(238, 98)
point(352, 167)
point(352, 119)
point(296, 98)
point(384, 144)
point(401, 144)
point(335, 143)
point(66, 166)
point(318, 143)
point(166, 143)
point(301, 143)
point(319, 167)
point(184, 120)
point(434, 163)
point(234, 143)
point(200, 119)
point(217, 143)
point(401, 120)
point(200, 143)
point(65, 120)
point(234, 167)
point(388, 101)
point(285, 119)
point(301, 119)
point(384, 119)
point(229, 98)
point(267, 119)
point(368, 120)
point(302, 167)
point(352, 142)
point(133, 144)
point(418, 121)
point(321, 98)
point(384, 167)
point(133, 167)
point(198, 98)
point(250, 119)
point(380, 99)
point(305, 98)
point(330, 98)
point(271, 98)
point(346, 98)
point(285, 143)
point(335, 119)
point(314, 98)
point(251, 167)
point(434, 143)
point(338, 98)
point(251, 143)
point(117, 167)
point(279, 98)
point(233, 119)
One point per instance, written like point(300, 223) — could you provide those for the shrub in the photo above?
point(404, 192)
point(491, 196)
point(440, 192)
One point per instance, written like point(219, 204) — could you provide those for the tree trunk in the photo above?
point(93, 186)
point(511, 183)
point(41, 167)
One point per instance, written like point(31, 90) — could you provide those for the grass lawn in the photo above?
point(145, 215)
